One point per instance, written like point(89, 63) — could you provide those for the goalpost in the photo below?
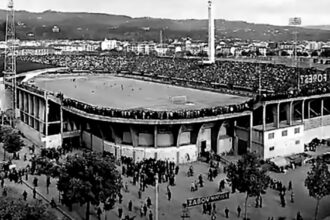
point(178, 100)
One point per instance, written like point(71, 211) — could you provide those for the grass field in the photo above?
point(123, 93)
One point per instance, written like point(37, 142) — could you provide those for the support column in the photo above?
point(322, 110)
point(155, 140)
point(251, 130)
point(276, 115)
point(264, 117)
point(235, 141)
point(309, 109)
point(289, 113)
point(46, 115)
point(322, 107)
point(61, 119)
point(303, 111)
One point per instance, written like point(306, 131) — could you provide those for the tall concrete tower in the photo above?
point(9, 78)
point(211, 34)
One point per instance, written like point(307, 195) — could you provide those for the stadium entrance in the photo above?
point(230, 137)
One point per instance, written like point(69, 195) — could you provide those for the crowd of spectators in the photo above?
point(271, 81)
point(157, 115)
point(248, 76)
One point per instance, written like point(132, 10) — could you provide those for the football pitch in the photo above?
point(124, 93)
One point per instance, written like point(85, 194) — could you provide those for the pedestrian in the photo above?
point(260, 202)
point(213, 217)
point(176, 170)
point(227, 212)
point(35, 181)
point(257, 202)
point(2, 182)
point(126, 187)
point(209, 208)
point(24, 195)
point(120, 198)
point(204, 208)
point(141, 211)
point(239, 211)
point(290, 185)
point(169, 194)
point(299, 217)
point(150, 215)
point(145, 209)
point(99, 213)
point(4, 192)
point(140, 193)
point(292, 197)
point(34, 192)
point(26, 176)
point(130, 204)
point(148, 202)
point(120, 212)
point(214, 208)
point(192, 188)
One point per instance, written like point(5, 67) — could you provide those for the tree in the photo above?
point(13, 143)
point(11, 208)
point(89, 179)
point(4, 131)
point(247, 177)
point(317, 182)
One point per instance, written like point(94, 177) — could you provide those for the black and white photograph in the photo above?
point(164, 110)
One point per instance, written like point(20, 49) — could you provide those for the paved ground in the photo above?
point(169, 210)
point(131, 93)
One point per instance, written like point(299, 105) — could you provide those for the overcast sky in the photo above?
point(312, 12)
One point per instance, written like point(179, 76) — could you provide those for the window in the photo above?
point(297, 130)
point(271, 136)
point(272, 148)
point(297, 142)
point(285, 133)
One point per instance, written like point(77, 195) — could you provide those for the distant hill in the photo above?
point(99, 26)
point(320, 27)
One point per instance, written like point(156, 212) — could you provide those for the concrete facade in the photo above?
point(286, 125)
point(273, 128)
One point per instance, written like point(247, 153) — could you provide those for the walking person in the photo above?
point(150, 215)
point(24, 195)
point(120, 212)
point(290, 185)
point(169, 194)
point(214, 208)
point(48, 184)
point(35, 181)
point(130, 205)
point(34, 192)
point(227, 212)
point(99, 213)
point(239, 211)
point(292, 197)
point(140, 193)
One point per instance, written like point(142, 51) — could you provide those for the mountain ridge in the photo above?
point(97, 26)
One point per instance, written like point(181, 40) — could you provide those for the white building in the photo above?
point(108, 44)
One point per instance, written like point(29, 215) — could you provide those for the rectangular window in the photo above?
point(285, 133)
point(272, 148)
point(297, 130)
point(271, 136)
point(297, 142)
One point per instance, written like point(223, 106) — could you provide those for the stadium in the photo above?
point(150, 107)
